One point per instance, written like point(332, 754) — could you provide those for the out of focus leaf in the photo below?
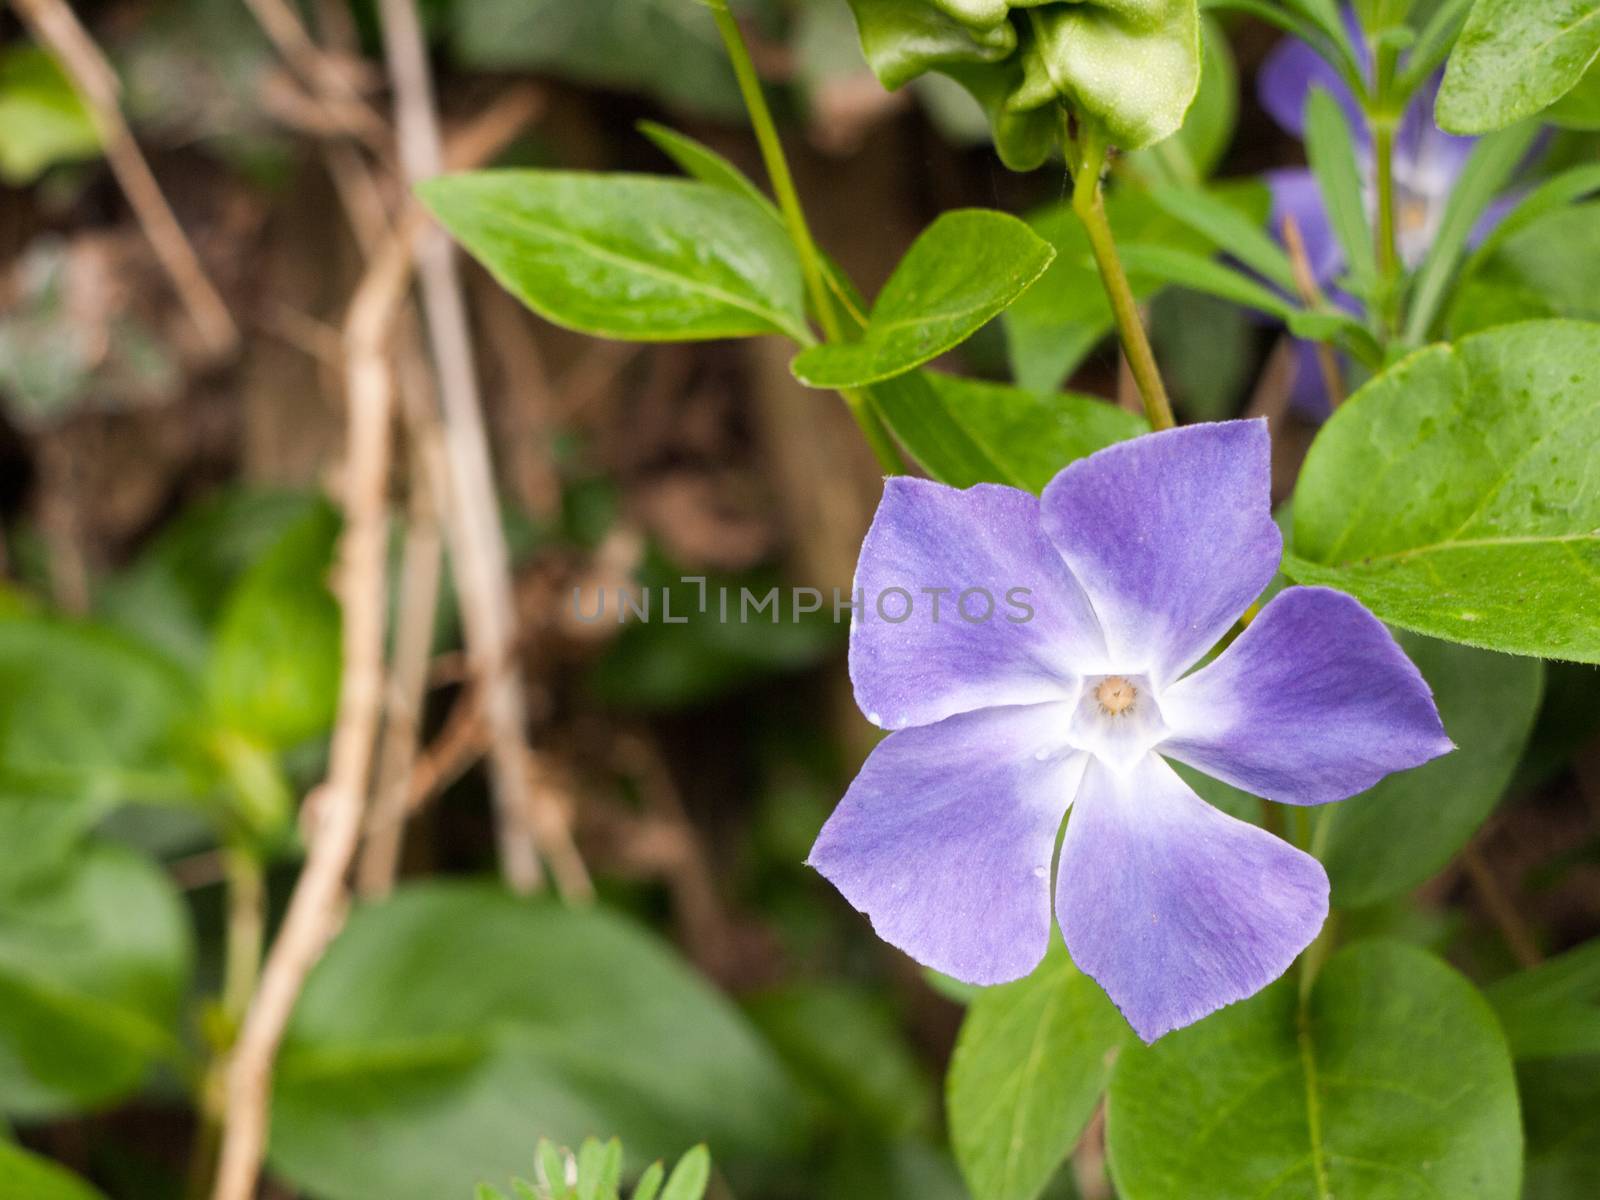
point(1028, 1071)
point(1515, 58)
point(1394, 1083)
point(664, 48)
point(1553, 1010)
point(1579, 108)
point(273, 674)
point(25, 1176)
point(963, 271)
point(845, 1044)
point(1454, 494)
point(635, 257)
point(1544, 270)
point(93, 966)
point(1190, 156)
point(1561, 1113)
point(1401, 831)
point(964, 431)
point(174, 595)
point(449, 1023)
point(42, 120)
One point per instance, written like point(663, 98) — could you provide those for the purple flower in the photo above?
point(1136, 560)
point(1427, 164)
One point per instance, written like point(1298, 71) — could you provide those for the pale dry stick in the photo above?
point(317, 903)
point(54, 25)
point(1305, 282)
point(479, 558)
point(327, 75)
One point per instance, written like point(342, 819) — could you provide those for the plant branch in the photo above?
point(1088, 201)
point(55, 26)
point(479, 560)
point(1306, 284)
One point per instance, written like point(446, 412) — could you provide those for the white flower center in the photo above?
point(1117, 719)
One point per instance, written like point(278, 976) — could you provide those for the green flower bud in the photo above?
point(1131, 67)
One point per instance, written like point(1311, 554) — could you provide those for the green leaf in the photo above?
point(1199, 273)
point(963, 431)
point(1132, 66)
point(690, 1177)
point(1027, 1073)
point(42, 120)
point(699, 161)
point(1400, 832)
point(1489, 168)
point(1331, 149)
point(1543, 269)
point(450, 1022)
point(1552, 1010)
point(959, 275)
point(634, 257)
point(1394, 1084)
point(1550, 196)
point(1514, 59)
point(1189, 156)
point(1435, 40)
point(92, 717)
point(1561, 1112)
point(1580, 108)
point(667, 49)
point(1231, 231)
point(93, 965)
point(274, 672)
point(1454, 494)
point(847, 1045)
point(25, 1176)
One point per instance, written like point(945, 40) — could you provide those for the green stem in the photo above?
point(242, 947)
point(1383, 130)
point(1088, 201)
point(794, 219)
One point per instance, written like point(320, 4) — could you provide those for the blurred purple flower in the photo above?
point(1138, 559)
point(1427, 164)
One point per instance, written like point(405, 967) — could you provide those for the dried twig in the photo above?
point(317, 904)
point(479, 557)
point(53, 23)
point(1305, 281)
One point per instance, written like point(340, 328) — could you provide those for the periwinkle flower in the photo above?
point(1138, 560)
point(1131, 66)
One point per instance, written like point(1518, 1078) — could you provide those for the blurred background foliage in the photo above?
point(169, 641)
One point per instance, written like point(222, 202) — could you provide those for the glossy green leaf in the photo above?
point(1394, 1084)
point(1189, 156)
point(1455, 494)
point(448, 1024)
point(1026, 1075)
point(1132, 66)
point(959, 274)
point(1515, 58)
point(25, 1176)
point(634, 257)
point(93, 965)
point(1580, 108)
point(1400, 832)
point(963, 431)
point(274, 671)
point(699, 161)
point(1552, 1010)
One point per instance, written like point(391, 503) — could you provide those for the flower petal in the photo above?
point(946, 835)
point(1173, 907)
point(1171, 536)
point(1285, 82)
point(1314, 702)
point(1295, 194)
point(938, 661)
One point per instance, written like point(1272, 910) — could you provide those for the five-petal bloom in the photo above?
point(1136, 560)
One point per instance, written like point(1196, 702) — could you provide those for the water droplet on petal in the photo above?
point(875, 719)
point(1039, 872)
